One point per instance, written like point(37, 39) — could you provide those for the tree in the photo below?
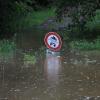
point(79, 10)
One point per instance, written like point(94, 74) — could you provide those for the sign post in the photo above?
point(53, 41)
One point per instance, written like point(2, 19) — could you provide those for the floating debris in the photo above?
point(17, 90)
point(89, 98)
point(3, 98)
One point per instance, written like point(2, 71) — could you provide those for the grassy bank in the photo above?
point(86, 45)
point(32, 18)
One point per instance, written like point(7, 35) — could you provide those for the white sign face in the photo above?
point(53, 41)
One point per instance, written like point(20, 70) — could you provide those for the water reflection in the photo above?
point(52, 67)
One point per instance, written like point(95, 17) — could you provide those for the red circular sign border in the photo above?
point(48, 46)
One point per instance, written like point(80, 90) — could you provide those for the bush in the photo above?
point(94, 24)
point(92, 30)
point(7, 48)
point(86, 45)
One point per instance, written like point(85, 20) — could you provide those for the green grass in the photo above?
point(32, 18)
point(95, 22)
point(7, 48)
point(41, 16)
point(85, 45)
point(29, 59)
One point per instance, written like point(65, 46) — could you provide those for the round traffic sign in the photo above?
point(53, 41)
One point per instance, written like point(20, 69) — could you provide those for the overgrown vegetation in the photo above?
point(94, 23)
point(7, 48)
point(82, 14)
point(19, 14)
point(32, 18)
point(29, 59)
point(93, 26)
point(22, 14)
point(86, 45)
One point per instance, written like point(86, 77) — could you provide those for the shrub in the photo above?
point(7, 48)
point(94, 24)
point(86, 45)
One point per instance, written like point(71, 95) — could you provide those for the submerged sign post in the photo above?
point(53, 41)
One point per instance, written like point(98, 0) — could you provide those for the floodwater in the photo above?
point(64, 75)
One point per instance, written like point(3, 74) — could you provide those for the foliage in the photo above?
point(92, 27)
point(29, 59)
point(13, 10)
point(20, 14)
point(17, 15)
point(10, 12)
point(80, 12)
point(32, 18)
point(7, 48)
point(44, 2)
point(39, 17)
point(85, 45)
point(95, 22)
point(77, 8)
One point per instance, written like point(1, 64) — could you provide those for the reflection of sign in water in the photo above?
point(52, 68)
point(53, 41)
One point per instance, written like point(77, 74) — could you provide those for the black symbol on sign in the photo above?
point(53, 44)
point(53, 40)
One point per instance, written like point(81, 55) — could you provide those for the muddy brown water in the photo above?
point(54, 76)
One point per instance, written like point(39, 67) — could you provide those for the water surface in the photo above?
point(66, 75)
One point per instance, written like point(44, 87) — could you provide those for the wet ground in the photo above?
point(71, 75)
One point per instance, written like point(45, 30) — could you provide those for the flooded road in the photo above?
point(41, 75)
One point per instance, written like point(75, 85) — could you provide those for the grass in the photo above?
point(29, 59)
point(94, 26)
point(43, 15)
point(6, 48)
point(85, 45)
point(32, 18)
point(95, 22)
